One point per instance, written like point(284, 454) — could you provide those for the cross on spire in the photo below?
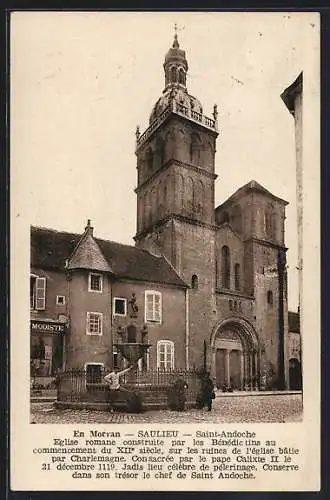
point(175, 43)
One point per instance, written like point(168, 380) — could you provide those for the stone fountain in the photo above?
point(132, 351)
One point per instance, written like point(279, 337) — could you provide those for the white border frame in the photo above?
point(58, 303)
point(87, 322)
point(146, 320)
point(90, 279)
point(114, 309)
point(166, 342)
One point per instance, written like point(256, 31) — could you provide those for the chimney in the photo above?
point(89, 229)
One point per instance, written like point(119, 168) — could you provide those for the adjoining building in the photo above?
point(205, 286)
point(294, 351)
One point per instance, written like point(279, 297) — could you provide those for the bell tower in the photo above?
point(175, 160)
point(175, 188)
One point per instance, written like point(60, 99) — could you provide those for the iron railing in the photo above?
point(153, 385)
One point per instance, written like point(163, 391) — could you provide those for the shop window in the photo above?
point(95, 282)
point(37, 293)
point(153, 307)
point(94, 323)
point(119, 306)
point(165, 355)
point(270, 297)
point(60, 300)
point(94, 373)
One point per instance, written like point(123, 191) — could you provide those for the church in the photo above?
point(205, 286)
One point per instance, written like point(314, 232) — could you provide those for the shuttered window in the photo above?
point(153, 307)
point(40, 294)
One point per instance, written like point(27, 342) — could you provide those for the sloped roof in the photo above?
point(88, 255)
point(294, 322)
point(51, 248)
point(288, 96)
point(251, 186)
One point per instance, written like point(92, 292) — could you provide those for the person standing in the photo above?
point(207, 391)
point(113, 379)
point(179, 394)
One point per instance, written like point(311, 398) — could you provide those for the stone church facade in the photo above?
point(212, 279)
point(233, 256)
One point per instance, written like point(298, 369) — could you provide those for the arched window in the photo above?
point(199, 198)
point(270, 222)
point(147, 211)
point(182, 77)
point(194, 281)
point(270, 297)
point(225, 267)
point(173, 74)
point(237, 277)
point(195, 149)
point(189, 196)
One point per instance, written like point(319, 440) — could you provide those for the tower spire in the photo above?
point(175, 41)
point(175, 65)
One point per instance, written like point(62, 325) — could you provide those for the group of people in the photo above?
point(205, 397)
point(177, 393)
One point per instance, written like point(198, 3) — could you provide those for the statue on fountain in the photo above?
point(134, 306)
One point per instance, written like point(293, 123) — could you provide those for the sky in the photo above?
point(82, 82)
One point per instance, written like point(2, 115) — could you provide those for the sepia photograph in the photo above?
point(160, 159)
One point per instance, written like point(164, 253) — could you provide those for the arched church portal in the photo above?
point(235, 356)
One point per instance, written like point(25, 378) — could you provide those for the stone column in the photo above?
point(246, 371)
point(213, 362)
point(242, 370)
point(256, 371)
point(227, 367)
point(251, 371)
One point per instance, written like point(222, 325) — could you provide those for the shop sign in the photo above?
point(47, 327)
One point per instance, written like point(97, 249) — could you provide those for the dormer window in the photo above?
point(95, 282)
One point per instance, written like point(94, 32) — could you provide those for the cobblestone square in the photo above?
point(228, 409)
